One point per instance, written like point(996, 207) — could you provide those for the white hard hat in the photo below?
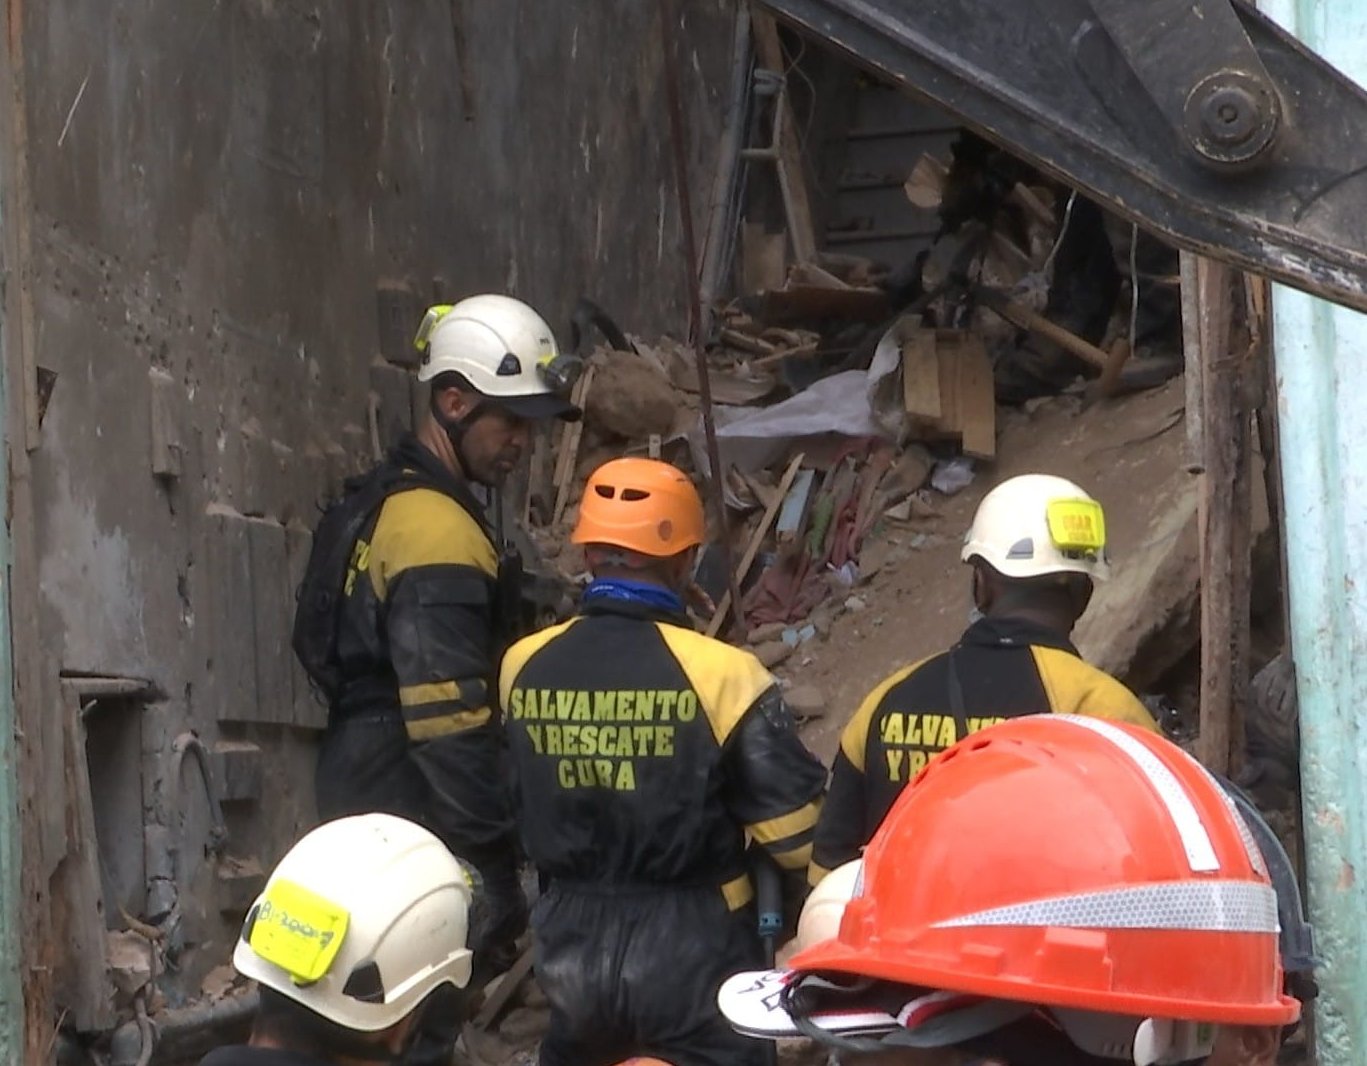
point(501, 347)
point(360, 921)
point(1039, 524)
point(821, 913)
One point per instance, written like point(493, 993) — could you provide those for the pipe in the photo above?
point(719, 247)
point(12, 898)
point(1319, 354)
point(182, 1032)
point(218, 831)
point(668, 34)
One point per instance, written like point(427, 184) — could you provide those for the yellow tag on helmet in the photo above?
point(1077, 526)
point(298, 930)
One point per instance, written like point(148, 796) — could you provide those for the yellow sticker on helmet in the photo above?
point(1077, 525)
point(298, 930)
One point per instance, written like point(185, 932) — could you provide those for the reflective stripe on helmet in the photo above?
point(1190, 906)
point(1192, 831)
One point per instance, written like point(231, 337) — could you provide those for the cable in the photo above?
point(1133, 286)
point(1063, 232)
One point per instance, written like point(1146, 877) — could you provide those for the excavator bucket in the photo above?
point(1199, 119)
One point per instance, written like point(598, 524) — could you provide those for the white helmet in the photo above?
point(1039, 524)
point(360, 921)
point(821, 913)
point(503, 348)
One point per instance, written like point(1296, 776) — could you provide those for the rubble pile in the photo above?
point(849, 395)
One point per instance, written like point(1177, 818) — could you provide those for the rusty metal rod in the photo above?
point(679, 141)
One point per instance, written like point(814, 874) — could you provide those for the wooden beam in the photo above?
point(1026, 318)
point(493, 1006)
point(792, 175)
point(756, 539)
point(569, 448)
point(1225, 516)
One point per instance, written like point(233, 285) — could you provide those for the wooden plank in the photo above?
point(756, 539)
point(1026, 318)
point(811, 274)
point(1225, 520)
point(82, 982)
point(1193, 379)
point(921, 376)
point(507, 985)
point(792, 175)
point(569, 450)
point(746, 343)
point(802, 303)
point(977, 400)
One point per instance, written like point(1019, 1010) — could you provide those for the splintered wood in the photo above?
point(568, 453)
point(947, 389)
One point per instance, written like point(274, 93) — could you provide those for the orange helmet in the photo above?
point(642, 505)
point(1052, 862)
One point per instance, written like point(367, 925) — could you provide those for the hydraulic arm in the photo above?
point(1200, 119)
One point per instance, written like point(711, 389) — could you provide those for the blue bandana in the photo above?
point(624, 591)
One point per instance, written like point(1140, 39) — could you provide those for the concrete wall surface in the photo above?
point(232, 212)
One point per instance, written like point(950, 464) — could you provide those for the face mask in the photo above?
point(975, 615)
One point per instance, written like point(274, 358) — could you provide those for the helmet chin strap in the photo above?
point(455, 430)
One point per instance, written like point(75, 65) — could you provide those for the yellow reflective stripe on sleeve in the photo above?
point(797, 859)
point(738, 893)
point(815, 873)
point(432, 692)
point(854, 740)
point(516, 657)
point(727, 680)
point(424, 527)
point(445, 725)
point(1074, 686)
point(786, 825)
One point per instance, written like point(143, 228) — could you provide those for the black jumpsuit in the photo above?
point(645, 756)
point(1001, 668)
point(412, 731)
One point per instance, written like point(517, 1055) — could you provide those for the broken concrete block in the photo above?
point(909, 472)
point(772, 652)
point(805, 701)
point(629, 398)
point(398, 309)
point(165, 425)
point(237, 767)
point(130, 962)
point(855, 603)
point(240, 881)
point(392, 387)
point(765, 632)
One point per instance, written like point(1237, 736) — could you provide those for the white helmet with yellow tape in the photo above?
point(360, 921)
point(504, 350)
point(1038, 524)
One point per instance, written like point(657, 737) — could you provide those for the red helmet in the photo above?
point(1061, 862)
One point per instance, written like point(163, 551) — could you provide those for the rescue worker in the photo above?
point(361, 924)
point(405, 648)
point(1036, 546)
point(646, 754)
point(1060, 890)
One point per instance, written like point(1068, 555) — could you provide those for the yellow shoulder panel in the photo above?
point(1076, 687)
point(854, 740)
point(516, 657)
point(423, 527)
point(726, 679)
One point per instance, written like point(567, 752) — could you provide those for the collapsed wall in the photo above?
point(235, 215)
